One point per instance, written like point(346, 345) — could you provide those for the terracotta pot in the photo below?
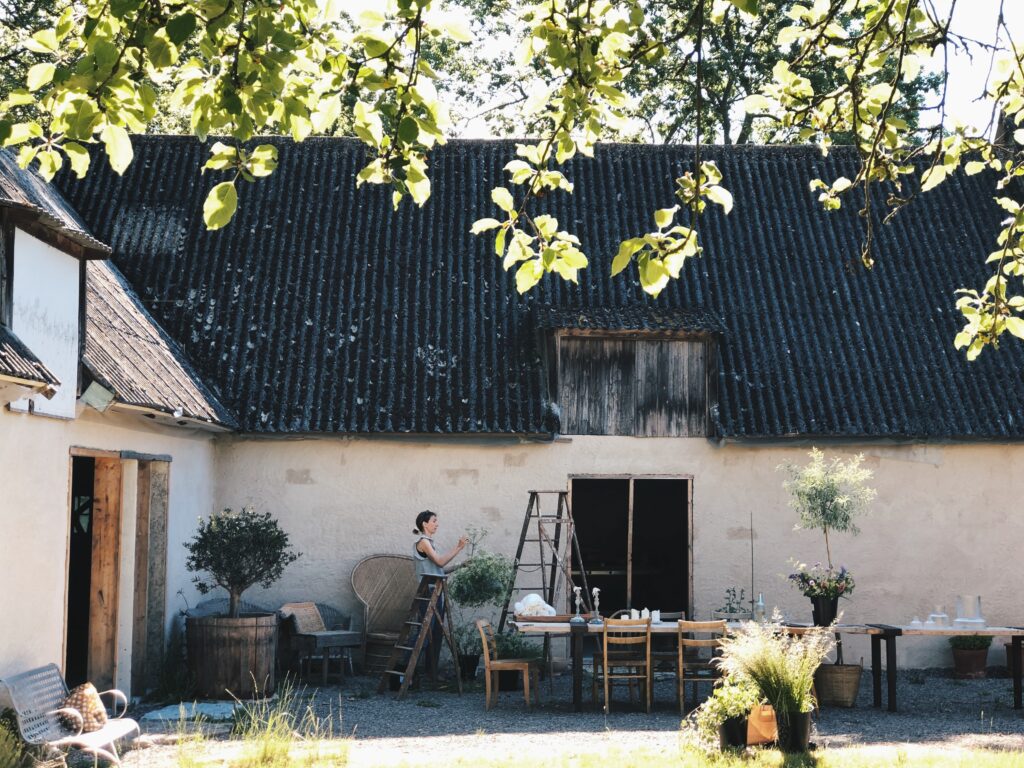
point(969, 665)
point(732, 734)
point(824, 610)
point(794, 731)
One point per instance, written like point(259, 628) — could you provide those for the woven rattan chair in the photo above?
point(493, 665)
point(385, 585)
point(38, 697)
point(311, 631)
point(696, 669)
point(626, 655)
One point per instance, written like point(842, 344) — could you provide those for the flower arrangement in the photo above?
point(819, 581)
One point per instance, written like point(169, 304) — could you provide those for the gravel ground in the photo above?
point(432, 725)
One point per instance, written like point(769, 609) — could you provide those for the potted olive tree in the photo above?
point(233, 655)
point(829, 496)
point(475, 587)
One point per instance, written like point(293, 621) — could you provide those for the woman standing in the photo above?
point(430, 563)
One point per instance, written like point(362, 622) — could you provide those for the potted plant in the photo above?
point(732, 609)
point(824, 587)
point(828, 496)
point(782, 666)
point(512, 645)
point(970, 656)
point(724, 714)
point(234, 655)
point(481, 581)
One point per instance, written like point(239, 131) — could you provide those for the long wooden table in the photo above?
point(879, 634)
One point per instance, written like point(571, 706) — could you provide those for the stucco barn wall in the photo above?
point(943, 524)
point(35, 477)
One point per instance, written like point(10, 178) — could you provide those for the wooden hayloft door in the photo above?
point(636, 541)
point(116, 571)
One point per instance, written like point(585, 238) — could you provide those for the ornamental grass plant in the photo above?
point(780, 664)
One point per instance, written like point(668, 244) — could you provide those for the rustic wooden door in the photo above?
point(105, 572)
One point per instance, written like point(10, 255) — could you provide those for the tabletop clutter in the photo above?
point(968, 615)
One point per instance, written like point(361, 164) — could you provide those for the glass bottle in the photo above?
point(759, 613)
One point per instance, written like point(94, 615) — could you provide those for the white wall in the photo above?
point(944, 522)
point(45, 317)
point(35, 476)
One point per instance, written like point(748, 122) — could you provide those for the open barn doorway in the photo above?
point(117, 570)
point(635, 536)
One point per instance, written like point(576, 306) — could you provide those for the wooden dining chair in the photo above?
point(493, 665)
point(696, 668)
point(626, 655)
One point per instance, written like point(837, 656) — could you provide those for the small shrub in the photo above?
point(732, 698)
point(13, 753)
point(970, 642)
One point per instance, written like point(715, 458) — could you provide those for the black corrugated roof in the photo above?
point(639, 318)
point(19, 362)
point(129, 354)
point(319, 309)
point(24, 190)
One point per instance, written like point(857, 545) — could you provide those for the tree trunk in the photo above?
point(233, 601)
point(828, 549)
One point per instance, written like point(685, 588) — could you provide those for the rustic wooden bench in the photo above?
point(38, 697)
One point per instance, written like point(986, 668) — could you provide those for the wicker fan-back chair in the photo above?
point(385, 585)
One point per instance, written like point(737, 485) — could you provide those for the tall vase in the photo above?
point(824, 610)
point(794, 731)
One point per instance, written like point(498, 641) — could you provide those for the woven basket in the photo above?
point(837, 684)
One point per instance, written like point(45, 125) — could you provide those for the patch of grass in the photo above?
point(283, 732)
point(848, 757)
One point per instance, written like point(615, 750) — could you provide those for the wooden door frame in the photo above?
point(149, 603)
point(691, 609)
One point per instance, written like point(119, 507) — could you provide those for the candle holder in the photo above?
point(578, 618)
point(596, 592)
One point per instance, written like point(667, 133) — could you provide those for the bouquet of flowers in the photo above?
point(819, 581)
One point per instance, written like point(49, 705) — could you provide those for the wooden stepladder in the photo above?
point(557, 545)
point(432, 592)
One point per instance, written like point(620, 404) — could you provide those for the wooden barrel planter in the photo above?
point(232, 657)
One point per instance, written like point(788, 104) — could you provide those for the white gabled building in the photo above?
point(344, 366)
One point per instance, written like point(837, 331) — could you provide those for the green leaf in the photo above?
point(181, 27)
point(499, 242)
point(482, 225)
point(263, 160)
point(43, 41)
point(626, 250)
point(40, 75)
point(222, 157)
point(974, 167)
point(933, 177)
point(747, 6)
point(81, 120)
point(162, 53)
point(220, 205)
point(719, 195)
point(663, 216)
point(1015, 325)
point(119, 147)
point(408, 130)
point(756, 103)
point(503, 199)
point(78, 156)
point(528, 275)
